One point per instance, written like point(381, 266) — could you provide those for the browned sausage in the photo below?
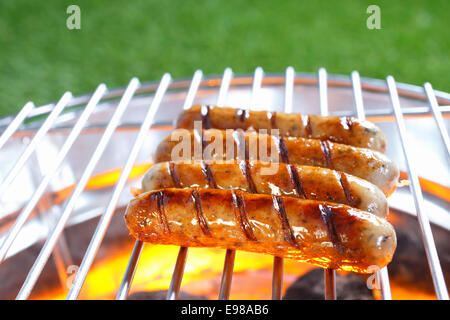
point(304, 182)
point(321, 233)
point(345, 130)
point(367, 164)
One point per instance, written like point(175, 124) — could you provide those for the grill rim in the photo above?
point(306, 78)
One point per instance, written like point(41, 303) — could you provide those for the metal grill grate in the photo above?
point(126, 95)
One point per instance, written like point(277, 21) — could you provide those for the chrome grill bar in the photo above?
point(35, 141)
point(224, 86)
point(125, 285)
point(323, 92)
point(12, 127)
point(385, 287)
point(289, 90)
point(382, 275)
point(329, 274)
point(424, 223)
point(227, 274)
point(277, 277)
point(177, 276)
point(46, 251)
point(257, 82)
point(437, 116)
point(134, 258)
point(197, 78)
point(107, 215)
point(329, 279)
point(357, 94)
point(225, 283)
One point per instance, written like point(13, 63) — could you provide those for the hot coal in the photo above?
point(409, 267)
point(311, 287)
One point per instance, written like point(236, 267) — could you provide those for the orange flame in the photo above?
point(201, 276)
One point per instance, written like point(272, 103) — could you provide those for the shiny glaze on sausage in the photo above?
point(343, 130)
point(324, 234)
point(304, 182)
point(364, 163)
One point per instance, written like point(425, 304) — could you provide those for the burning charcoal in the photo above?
point(310, 287)
point(162, 295)
point(409, 266)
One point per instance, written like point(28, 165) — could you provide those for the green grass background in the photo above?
point(40, 58)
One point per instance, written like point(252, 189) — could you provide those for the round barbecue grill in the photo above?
point(51, 156)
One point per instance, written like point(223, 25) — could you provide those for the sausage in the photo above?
point(343, 130)
point(287, 180)
point(366, 164)
point(324, 234)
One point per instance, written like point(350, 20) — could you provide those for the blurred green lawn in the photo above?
point(40, 58)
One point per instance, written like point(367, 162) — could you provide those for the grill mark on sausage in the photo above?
point(350, 123)
point(308, 126)
point(161, 211)
point(203, 142)
point(273, 120)
point(206, 169)
point(278, 204)
point(283, 150)
point(325, 146)
point(242, 215)
point(346, 188)
point(242, 114)
point(195, 195)
point(247, 152)
point(174, 175)
point(206, 121)
point(245, 169)
point(327, 218)
point(296, 180)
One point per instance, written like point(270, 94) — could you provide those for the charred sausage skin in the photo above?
point(289, 180)
point(343, 130)
point(364, 163)
point(324, 234)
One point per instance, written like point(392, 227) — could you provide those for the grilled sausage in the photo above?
point(288, 180)
point(321, 233)
point(345, 130)
point(367, 164)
